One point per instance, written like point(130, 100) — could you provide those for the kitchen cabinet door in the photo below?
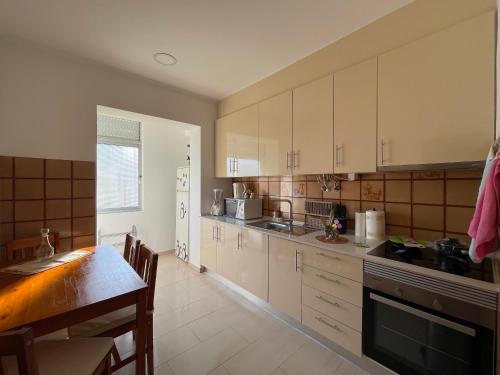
point(355, 118)
point(237, 144)
point(224, 155)
point(436, 96)
point(253, 262)
point(313, 127)
point(275, 135)
point(208, 245)
point(285, 277)
point(227, 256)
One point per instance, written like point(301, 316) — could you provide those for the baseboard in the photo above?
point(165, 252)
point(196, 268)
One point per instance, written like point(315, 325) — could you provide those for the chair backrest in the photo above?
point(19, 344)
point(25, 248)
point(146, 268)
point(131, 250)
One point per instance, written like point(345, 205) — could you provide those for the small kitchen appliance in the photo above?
point(243, 209)
point(217, 208)
point(239, 190)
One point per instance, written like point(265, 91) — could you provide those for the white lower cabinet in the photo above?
point(320, 288)
point(332, 329)
point(285, 277)
point(243, 259)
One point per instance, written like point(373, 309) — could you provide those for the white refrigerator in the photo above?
point(182, 214)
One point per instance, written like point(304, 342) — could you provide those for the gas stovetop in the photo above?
point(450, 261)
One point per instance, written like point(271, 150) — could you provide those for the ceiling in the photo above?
point(222, 46)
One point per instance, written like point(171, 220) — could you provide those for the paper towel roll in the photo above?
point(375, 224)
point(360, 225)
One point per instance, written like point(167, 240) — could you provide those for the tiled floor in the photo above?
point(202, 327)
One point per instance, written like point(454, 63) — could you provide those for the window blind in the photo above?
point(118, 164)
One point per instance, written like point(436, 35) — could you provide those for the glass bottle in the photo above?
point(46, 250)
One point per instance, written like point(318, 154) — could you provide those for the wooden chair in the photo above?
point(123, 321)
point(54, 357)
point(131, 250)
point(25, 248)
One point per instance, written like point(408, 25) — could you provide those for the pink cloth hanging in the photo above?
point(486, 220)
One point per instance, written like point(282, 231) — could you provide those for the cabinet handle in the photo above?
point(238, 246)
point(382, 147)
point(328, 279)
point(338, 161)
point(295, 156)
point(321, 298)
point(321, 320)
point(297, 267)
point(236, 165)
point(288, 160)
point(213, 232)
point(217, 233)
point(328, 256)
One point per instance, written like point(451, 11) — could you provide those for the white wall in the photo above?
point(164, 149)
point(48, 105)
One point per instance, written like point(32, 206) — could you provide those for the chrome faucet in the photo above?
point(290, 221)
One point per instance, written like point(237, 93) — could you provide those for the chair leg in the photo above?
point(149, 347)
point(108, 366)
point(116, 355)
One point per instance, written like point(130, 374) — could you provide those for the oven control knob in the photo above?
point(437, 305)
point(398, 291)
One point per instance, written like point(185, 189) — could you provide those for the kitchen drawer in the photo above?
point(337, 286)
point(333, 330)
point(333, 307)
point(343, 265)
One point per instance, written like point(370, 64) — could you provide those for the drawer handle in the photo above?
point(321, 320)
point(321, 298)
point(328, 256)
point(328, 279)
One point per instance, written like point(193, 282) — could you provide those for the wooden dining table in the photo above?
point(73, 293)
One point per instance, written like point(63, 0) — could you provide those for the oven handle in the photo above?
point(422, 314)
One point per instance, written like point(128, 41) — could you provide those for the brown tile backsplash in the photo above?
point(58, 194)
point(426, 204)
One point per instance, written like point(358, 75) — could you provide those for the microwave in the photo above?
point(243, 209)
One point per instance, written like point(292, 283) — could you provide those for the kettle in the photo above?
point(239, 190)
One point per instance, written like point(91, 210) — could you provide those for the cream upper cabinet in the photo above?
point(275, 135)
point(237, 144)
point(252, 268)
point(313, 127)
point(210, 232)
point(355, 118)
point(436, 96)
point(285, 277)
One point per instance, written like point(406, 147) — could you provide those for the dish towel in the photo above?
point(484, 224)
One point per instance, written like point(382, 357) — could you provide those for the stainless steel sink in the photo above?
point(297, 230)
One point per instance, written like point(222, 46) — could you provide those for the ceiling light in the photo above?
point(164, 58)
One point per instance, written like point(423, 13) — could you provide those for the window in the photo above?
point(118, 164)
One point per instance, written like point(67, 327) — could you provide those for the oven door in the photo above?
point(410, 339)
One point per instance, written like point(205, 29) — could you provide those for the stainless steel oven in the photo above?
point(415, 324)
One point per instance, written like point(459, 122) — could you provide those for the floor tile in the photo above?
point(208, 355)
point(279, 371)
point(312, 359)
point(348, 368)
point(215, 322)
point(219, 371)
point(257, 325)
point(173, 343)
point(266, 354)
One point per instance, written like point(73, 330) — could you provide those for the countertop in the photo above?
point(362, 252)
point(307, 239)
